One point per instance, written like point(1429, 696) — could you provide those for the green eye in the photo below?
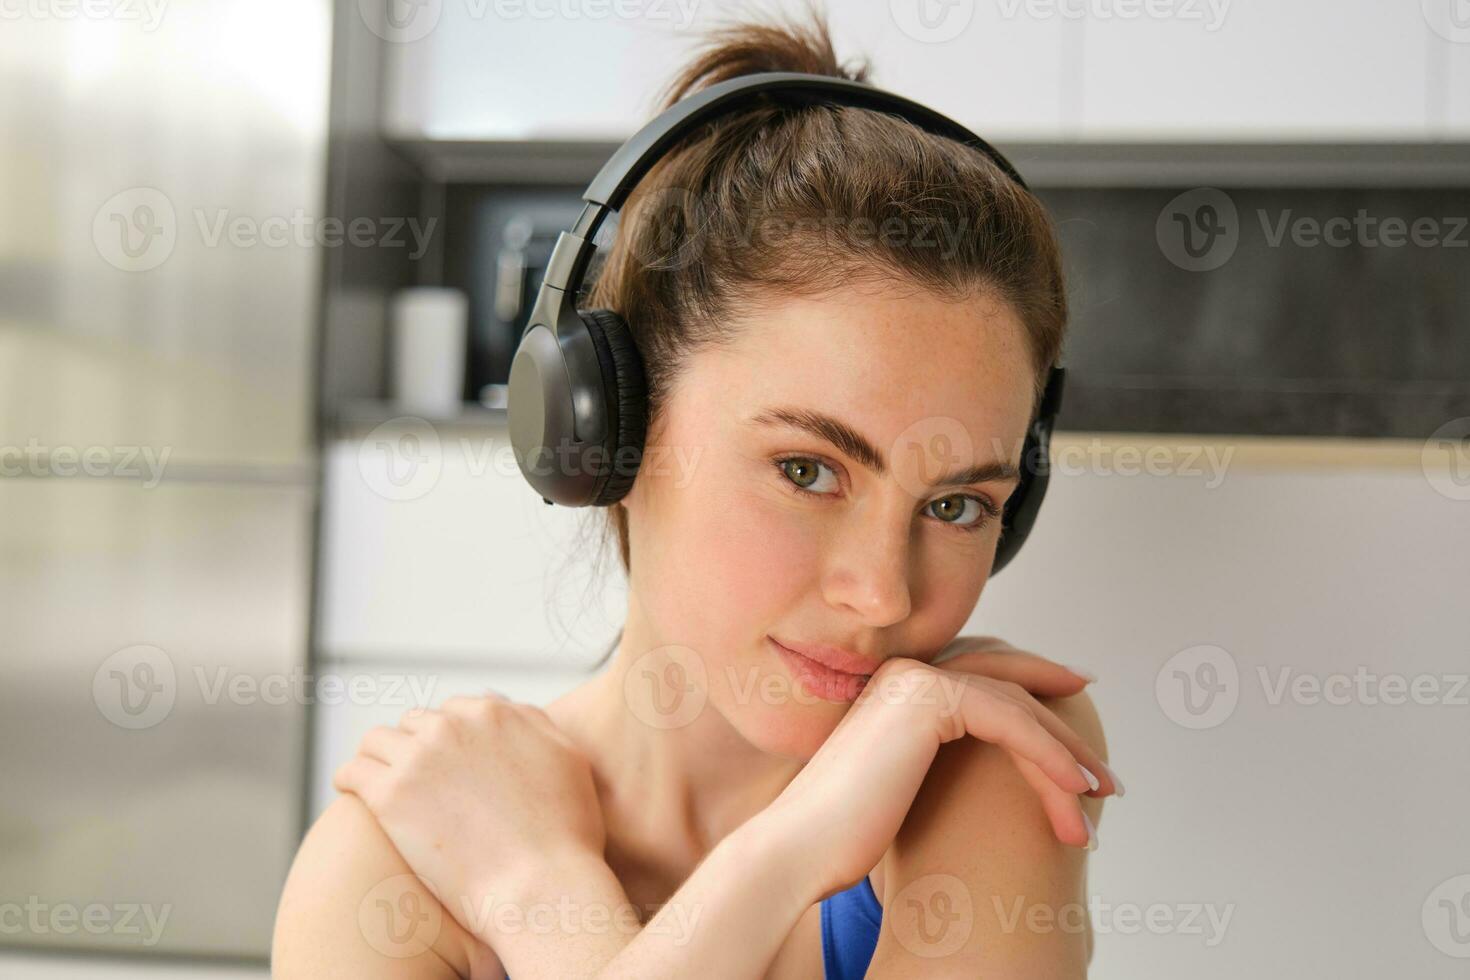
point(805, 474)
point(953, 510)
point(962, 511)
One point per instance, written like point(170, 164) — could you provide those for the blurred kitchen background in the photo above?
point(263, 264)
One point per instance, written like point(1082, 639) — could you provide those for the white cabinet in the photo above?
point(1004, 75)
point(515, 75)
point(504, 71)
point(434, 548)
point(49, 965)
point(441, 573)
point(352, 699)
point(1453, 52)
point(1256, 69)
point(1176, 70)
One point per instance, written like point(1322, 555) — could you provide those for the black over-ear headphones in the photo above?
point(578, 406)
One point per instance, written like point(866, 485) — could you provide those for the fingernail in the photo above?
point(1091, 779)
point(1091, 832)
point(1117, 783)
point(1082, 672)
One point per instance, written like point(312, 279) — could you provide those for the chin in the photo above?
point(793, 739)
point(769, 717)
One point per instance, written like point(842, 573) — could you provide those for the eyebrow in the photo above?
point(856, 446)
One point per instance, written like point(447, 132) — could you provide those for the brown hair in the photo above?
point(684, 260)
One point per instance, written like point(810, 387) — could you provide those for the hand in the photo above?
point(990, 656)
point(479, 796)
point(876, 759)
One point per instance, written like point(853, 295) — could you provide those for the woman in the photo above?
point(772, 778)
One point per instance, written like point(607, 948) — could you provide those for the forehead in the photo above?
point(883, 358)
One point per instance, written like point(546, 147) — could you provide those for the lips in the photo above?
point(822, 680)
point(836, 658)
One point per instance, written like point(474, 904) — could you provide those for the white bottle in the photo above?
point(429, 326)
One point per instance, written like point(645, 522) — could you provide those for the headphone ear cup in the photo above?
point(1025, 502)
point(626, 387)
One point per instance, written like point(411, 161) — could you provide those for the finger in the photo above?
point(1036, 674)
point(467, 705)
point(1063, 810)
point(1064, 733)
point(960, 644)
point(358, 774)
point(538, 717)
point(994, 717)
point(476, 707)
point(416, 721)
point(385, 744)
point(412, 720)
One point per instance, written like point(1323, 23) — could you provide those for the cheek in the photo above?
point(722, 559)
point(947, 589)
point(745, 562)
point(749, 559)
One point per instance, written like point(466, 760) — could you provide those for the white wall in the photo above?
point(1324, 826)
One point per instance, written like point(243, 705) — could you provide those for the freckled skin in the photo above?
point(725, 551)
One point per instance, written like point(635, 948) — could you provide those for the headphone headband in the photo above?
point(617, 178)
point(613, 184)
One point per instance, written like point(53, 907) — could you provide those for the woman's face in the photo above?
point(727, 551)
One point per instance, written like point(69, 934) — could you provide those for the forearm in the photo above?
point(573, 919)
point(730, 916)
point(567, 918)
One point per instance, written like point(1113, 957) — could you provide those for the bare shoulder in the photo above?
point(972, 781)
point(1078, 711)
point(978, 850)
point(352, 907)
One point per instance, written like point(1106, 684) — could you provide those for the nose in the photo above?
point(867, 569)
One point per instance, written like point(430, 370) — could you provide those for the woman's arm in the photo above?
point(352, 909)
point(731, 916)
point(494, 807)
point(745, 899)
point(974, 884)
point(728, 919)
point(802, 848)
point(569, 919)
